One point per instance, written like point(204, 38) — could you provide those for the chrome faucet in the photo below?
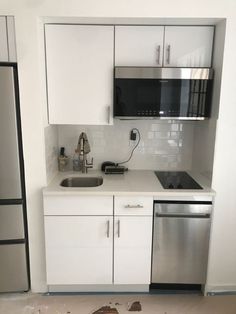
point(83, 148)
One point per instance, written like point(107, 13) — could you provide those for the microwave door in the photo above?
point(175, 98)
point(170, 98)
point(137, 98)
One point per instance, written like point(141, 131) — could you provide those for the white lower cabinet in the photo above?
point(132, 249)
point(98, 249)
point(79, 249)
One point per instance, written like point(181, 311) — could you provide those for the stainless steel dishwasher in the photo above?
point(180, 241)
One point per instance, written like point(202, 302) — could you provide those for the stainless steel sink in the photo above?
point(81, 182)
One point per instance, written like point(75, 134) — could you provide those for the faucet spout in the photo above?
point(83, 148)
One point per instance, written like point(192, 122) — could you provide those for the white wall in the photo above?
point(163, 145)
point(28, 32)
point(204, 133)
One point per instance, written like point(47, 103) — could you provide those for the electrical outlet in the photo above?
point(133, 135)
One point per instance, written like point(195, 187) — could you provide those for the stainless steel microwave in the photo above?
point(164, 93)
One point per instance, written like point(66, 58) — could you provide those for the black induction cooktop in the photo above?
point(177, 180)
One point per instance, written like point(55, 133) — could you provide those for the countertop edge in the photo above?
point(134, 183)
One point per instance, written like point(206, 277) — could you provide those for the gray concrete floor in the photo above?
point(86, 304)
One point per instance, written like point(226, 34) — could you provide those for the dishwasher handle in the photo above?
point(183, 215)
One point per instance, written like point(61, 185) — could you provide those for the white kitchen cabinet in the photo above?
point(164, 46)
point(78, 239)
point(132, 249)
point(139, 45)
point(132, 239)
point(86, 244)
point(3, 39)
point(11, 39)
point(188, 46)
point(79, 65)
point(79, 249)
point(7, 39)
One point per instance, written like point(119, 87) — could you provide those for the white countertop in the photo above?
point(133, 182)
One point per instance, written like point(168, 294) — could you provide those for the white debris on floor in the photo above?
point(28, 303)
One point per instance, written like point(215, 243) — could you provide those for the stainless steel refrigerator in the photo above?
point(14, 261)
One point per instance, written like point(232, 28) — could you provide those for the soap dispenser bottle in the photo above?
point(63, 160)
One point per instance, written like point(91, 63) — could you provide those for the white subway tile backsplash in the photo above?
point(174, 127)
point(173, 143)
point(165, 144)
point(154, 127)
point(150, 135)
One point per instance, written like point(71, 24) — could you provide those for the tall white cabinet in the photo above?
point(7, 39)
point(3, 39)
point(79, 65)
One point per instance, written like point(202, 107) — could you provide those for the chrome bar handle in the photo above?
point(134, 206)
point(118, 230)
point(108, 114)
point(168, 54)
point(183, 215)
point(108, 228)
point(158, 54)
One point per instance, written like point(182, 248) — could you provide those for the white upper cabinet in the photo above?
point(7, 39)
point(3, 39)
point(11, 39)
point(164, 46)
point(80, 61)
point(139, 45)
point(188, 46)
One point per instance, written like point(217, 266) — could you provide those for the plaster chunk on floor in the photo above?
point(135, 307)
point(106, 310)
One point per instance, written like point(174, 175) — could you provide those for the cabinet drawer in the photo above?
point(133, 205)
point(78, 205)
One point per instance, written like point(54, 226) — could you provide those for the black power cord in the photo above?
point(139, 138)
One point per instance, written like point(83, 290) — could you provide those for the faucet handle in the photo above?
point(89, 164)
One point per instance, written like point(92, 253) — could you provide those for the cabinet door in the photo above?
point(188, 46)
point(11, 39)
point(80, 65)
point(3, 39)
point(79, 249)
point(139, 45)
point(132, 250)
